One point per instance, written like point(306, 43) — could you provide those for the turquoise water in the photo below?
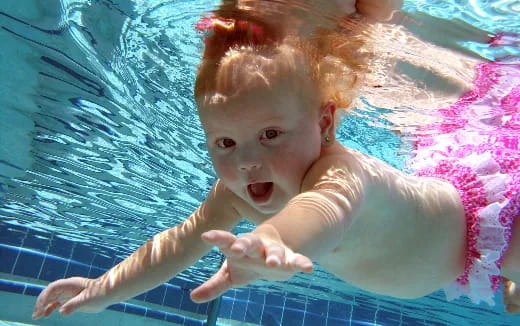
point(100, 143)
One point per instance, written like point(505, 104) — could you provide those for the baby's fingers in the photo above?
point(48, 310)
point(274, 255)
point(73, 304)
point(301, 263)
point(249, 245)
point(47, 301)
point(222, 239)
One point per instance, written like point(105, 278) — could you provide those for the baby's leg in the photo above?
point(511, 296)
point(511, 272)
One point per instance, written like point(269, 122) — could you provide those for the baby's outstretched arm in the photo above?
point(160, 259)
point(311, 225)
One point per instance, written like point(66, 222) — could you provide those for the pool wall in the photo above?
point(30, 259)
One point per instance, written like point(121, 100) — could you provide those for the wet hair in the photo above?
point(243, 52)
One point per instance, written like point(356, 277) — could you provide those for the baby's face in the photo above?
point(262, 143)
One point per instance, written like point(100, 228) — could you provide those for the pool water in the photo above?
point(101, 148)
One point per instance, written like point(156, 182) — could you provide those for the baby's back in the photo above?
point(408, 234)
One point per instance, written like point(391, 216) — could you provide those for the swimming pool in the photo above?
point(101, 149)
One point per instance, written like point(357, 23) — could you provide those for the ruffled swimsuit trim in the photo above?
point(476, 148)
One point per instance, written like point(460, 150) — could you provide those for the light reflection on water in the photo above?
point(101, 143)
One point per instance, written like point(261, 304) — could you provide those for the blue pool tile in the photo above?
point(83, 253)
point(53, 269)
point(294, 303)
point(173, 297)
point(293, 317)
point(61, 247)
point(13, 287)
point(140, 297)
point(95, 272)
point(11, 235)
point(225, 307)
point(338, 322)
point(311, 319)
point(275, 300)
point(386, 317)
point(187, 304)
point(193, 322)
point(230, 294)
point(242, 294)
point(318, 307)
point(339, 310)
point(175, 319)
point(76, 269)
point(156, 295)
point(189, 285)
point(37, 240)
point(239, 310)
point(256, 296)
point(33, 290)
point(28, 264)
point(364, 314)
point(272, 316)
point(202, 308)
point(135, 310)
point(178, 282)
point(412, 321)
point(253, 313)
point(103, 262)
point(155, 314)
point(8, 258)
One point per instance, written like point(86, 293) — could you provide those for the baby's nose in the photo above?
point(249, 165)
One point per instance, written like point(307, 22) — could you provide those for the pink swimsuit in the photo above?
point(476, 147)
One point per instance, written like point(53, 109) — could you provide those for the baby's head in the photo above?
point(242, 56)
point(267, 107)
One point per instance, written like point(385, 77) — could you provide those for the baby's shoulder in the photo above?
point(336, 163)
point(348, 169)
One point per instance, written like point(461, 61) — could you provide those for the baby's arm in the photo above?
point(315, 221)
point(160, 259)
point(310, 226)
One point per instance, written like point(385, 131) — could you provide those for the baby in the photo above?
point(268, 104)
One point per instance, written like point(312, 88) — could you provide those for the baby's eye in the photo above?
point(270, 134)
point(225, 143)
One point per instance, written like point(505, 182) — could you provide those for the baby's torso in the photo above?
point(407, 239)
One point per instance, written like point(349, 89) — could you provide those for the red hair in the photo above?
point(227, 33)
point(334, 58)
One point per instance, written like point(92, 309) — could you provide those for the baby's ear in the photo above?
point(327, 116)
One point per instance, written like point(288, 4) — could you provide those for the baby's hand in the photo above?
point(248, 258)
point(71, 294)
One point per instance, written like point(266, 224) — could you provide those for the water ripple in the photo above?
point(107, 147)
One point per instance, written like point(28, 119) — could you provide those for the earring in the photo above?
point(326, 139)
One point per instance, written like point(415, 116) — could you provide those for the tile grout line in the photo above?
point(262, 313)
point(19, 251)
point(247, 304)
point(45, 256)
point(352, 311)
point(327, 316)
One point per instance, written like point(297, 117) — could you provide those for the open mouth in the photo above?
point(260, 192)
